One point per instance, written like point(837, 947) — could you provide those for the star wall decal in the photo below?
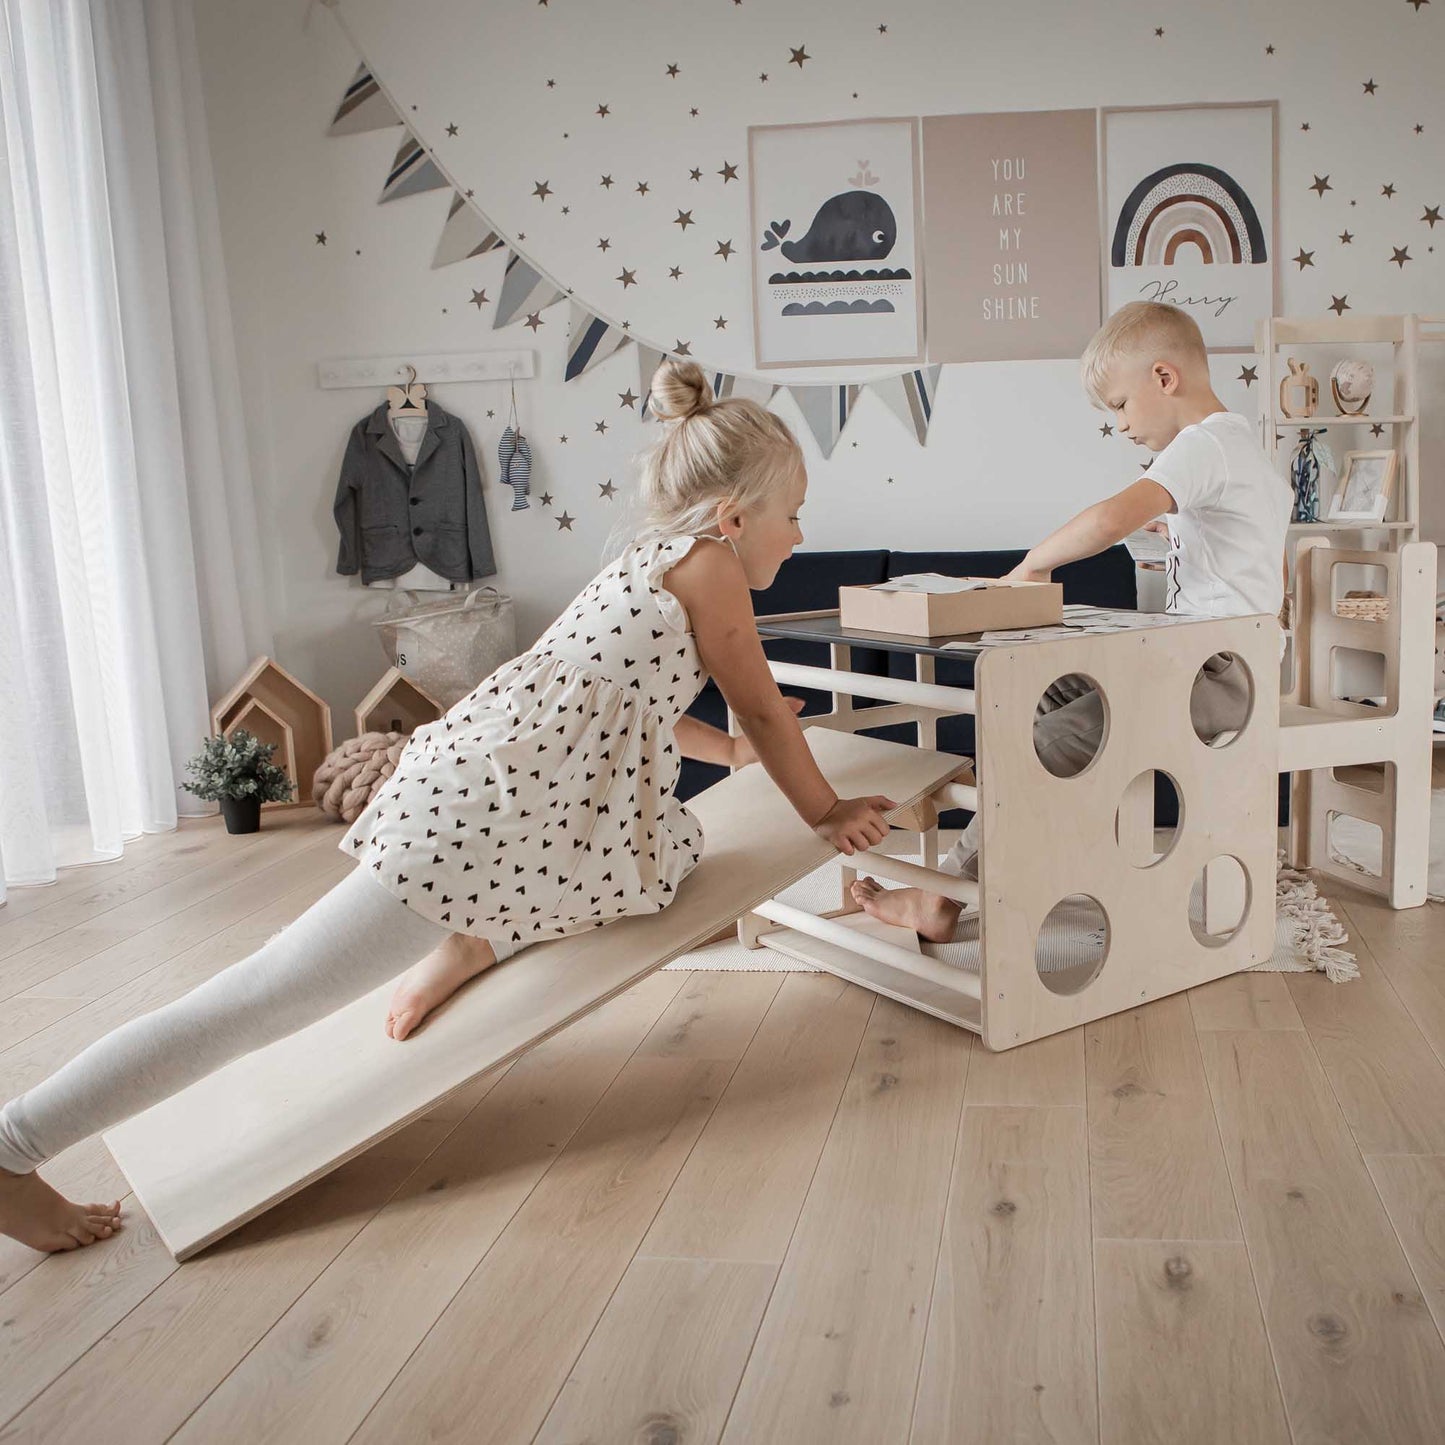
point(628, 278)
point(1269, 49)
point(799, 56)
point(1377, 429)
point(1106, 430)
point(675, 272)
point(607, 489)
point(684, 219)
point(1158, 32)
point(563, 439)
point(600, 426)
point(479, 299)
point(1249, 375)
point(321, 238)
point(693, 111)
point(534, 320)
point(1305, 258)
point(1305, 126)
point(1400, 256)
point(724, 249)
point(1346, 237)
point(551, 85)
point(628, 397)
point(764, 77)
point(672, 71)
point(683, 348)
point(1417, 4)
point(564, 522)
point(729, 172)
point(695, 174)
point(1388, 190)
point(604, 111)
point(605, 183)
point(452, 129)
point(1339, 304)
point(541, 190)
point(642, 188)
point(1321, 185)
point(1432, 214)
point(720, 323)
point(883, 30)
point(1419, 129)
point(545, 499)
point(1370, 87)
point(603, 243)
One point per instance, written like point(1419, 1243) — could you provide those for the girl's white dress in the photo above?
point(542, 803)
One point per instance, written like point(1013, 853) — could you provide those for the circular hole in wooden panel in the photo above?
point(1071, 724)
point(1142, 842)
point(1221, 701)
point(1072, 944)
point(1219, 901)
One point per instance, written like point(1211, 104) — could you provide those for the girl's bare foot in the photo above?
point(435, 979)
point(927, 914)
point(32, 1212)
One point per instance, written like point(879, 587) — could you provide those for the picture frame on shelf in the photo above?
point(1363, 491)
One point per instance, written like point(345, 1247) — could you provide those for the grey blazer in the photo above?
point(392, 516)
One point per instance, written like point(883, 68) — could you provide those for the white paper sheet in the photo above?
point(934, 582)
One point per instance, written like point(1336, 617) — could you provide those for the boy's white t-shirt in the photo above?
point(1227, 534)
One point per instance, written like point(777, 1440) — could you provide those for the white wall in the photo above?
point(1014, 448)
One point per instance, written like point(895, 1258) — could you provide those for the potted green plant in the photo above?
point(238, 773)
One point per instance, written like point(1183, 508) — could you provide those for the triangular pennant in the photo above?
point(826, 409)
point(725, 385)
point(363, 107)
point(909, 396)
point(649, 358)
point(467, 233)
point(412, 172)
point(525, 291)
point(590, 339)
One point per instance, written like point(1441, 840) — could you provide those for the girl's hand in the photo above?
point(853, 824)
point(1161, 528)
point(743, 750)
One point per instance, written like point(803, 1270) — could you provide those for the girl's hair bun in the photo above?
point(679, 390)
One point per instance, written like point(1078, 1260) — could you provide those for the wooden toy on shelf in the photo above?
point(270, 697)
point(1299, 392)
point(395, 705)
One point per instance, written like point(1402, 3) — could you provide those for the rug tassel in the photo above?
point(1315, 932)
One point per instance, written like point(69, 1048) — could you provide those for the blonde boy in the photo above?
point(1225, 511)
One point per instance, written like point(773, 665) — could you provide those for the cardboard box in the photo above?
point(930, 605)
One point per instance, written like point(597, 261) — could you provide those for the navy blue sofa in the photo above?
point(809, 581)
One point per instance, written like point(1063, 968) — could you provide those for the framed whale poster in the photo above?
point(1190, 205)
point(836, 243)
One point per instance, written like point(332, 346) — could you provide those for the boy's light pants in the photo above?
point(1069, 727)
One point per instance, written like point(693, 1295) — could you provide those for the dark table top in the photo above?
point(828, 629)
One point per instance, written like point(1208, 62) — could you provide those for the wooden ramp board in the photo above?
point(222, 1151)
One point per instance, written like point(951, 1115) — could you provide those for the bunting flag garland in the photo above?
point(467, 233)
point(363, 107)
point(910, 398)
point(590, 339)
point(412, 172)
point(525, 291)
point(826, 409)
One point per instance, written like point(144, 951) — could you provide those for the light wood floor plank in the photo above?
point(1010, 1351)
point(739, 1194)
point(1357, 1353)
point(1389, 1083)
point(1413, 1188)
point(1157, 1164)
point(837, 1355)
point(330, 1356)
point(666, 1358)
point(491, 1373)
point(158, 1337)
point(1245, 1001)
point(1182, 1353)
point(1046, 1072)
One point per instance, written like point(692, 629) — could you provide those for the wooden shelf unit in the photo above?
point(395, 704)
point(1280, 336)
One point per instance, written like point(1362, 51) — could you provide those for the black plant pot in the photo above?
point(242, 815)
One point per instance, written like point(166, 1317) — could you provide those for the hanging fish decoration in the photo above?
point(514, 456)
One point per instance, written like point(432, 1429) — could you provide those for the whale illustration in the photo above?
point(852, 226)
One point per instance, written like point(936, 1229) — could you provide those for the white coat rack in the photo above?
point(433, 370)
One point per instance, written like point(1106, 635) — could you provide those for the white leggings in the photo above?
point(346, 944)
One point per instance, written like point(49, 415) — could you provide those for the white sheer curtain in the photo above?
point(129, 559)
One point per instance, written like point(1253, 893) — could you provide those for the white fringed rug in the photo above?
point(1308, 936)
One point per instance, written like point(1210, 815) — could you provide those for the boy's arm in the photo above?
point(1094, 529)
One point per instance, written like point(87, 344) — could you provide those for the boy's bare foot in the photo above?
point(435, 979)
point(32, 1212)
point(930, 916)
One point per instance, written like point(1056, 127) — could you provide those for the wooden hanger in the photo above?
point(408, 400)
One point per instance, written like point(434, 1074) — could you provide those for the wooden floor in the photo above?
point(765, 1208)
